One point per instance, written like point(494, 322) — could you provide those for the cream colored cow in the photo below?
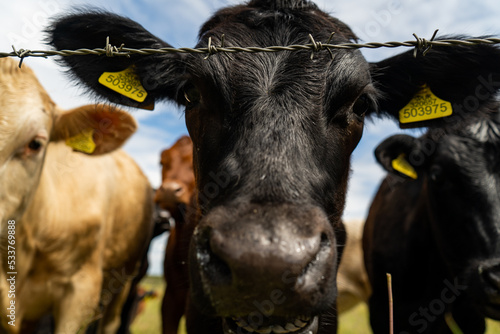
point(352, 280)
point(81, 221)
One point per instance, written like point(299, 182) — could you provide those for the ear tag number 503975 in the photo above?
point(424, 106)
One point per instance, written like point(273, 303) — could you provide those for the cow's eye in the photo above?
point(32, 148)
point(35, 145)
point(361, 106)
point(192, 96)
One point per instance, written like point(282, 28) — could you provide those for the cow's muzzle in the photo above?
point(265, 269)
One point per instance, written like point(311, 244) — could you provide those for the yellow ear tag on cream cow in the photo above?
point(401, 165)
point(125, 82)
point(83, 142)
point(424, 106)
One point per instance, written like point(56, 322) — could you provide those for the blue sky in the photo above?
point(177, 22)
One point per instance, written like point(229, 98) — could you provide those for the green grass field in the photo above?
point(353, 322)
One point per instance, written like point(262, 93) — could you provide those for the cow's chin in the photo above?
point(297, 325)
point(492, 311)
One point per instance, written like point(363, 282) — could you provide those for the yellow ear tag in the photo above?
point(401, 165)
point(125, 82)
point(424, 106)
point(83, 142)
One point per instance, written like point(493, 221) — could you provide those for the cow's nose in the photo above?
point(251, 260)
point(172, 190)
point(260, 258)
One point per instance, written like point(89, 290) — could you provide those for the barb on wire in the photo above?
point(211, 49)
point(21, 53)
point(423, 44)
point(420, 44)
point(329, 40)
point(112, 51)
point(316, 46)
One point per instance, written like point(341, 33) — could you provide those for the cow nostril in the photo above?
point(312, 272)
point(220, 273)
point(325, 241)
point(178, 190)
point(216, 270)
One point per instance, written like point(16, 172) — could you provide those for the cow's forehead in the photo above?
point(467, 143)
point(25, 106)
point(20, 87)
point(485, 130)
point(342, 72)
point(269, 15)
point(481, 129)
point(21, 120)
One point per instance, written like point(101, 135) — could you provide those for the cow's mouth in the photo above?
point(298, 325)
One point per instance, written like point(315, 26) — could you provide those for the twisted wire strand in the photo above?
point(420, 44)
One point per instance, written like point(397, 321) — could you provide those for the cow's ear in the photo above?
point(468, 77)
point(158, 75)
point(94, 129)
point(397, 153)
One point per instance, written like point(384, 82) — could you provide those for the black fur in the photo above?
point(454, 73)
point(160, 81)
point(283, 4)
point(438, 235)
point(273, 134)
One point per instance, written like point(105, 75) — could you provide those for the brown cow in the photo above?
point(79, 222)
point(176, 194)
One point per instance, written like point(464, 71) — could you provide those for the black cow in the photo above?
point(438, 235)
point(273, 134)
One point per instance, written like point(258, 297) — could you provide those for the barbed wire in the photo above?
point(420, 44)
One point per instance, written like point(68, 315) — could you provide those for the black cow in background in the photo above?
point(273, 134)
point(438, 235)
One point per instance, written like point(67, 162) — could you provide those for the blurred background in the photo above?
point(177, 22)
